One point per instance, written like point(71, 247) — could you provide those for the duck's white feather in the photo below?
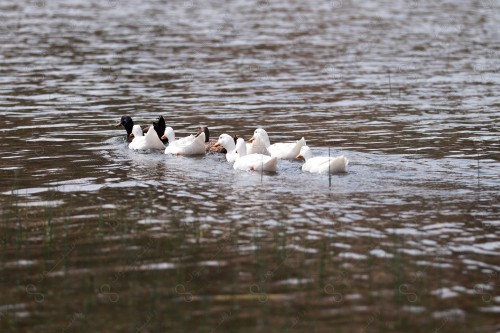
point(254, 162)
point(148, 141)
point(258, 146)
point(326, 164)
point(322, 164)
point(286, 150)
point(190, 145)
point(231, 156)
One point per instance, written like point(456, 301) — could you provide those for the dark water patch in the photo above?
point(90, 231)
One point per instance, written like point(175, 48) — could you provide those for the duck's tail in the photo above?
point(271, 164)
point(201, 138)
point(296, 149)
point(338, 164)
point(152, 139)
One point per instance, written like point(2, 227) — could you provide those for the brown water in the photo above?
point(97, 238)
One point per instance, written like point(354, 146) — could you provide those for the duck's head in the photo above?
point(305, 153)
point(127, 123)
point(159, 126)
point(226, 141)
point(260, 132)
point(169, 135)
point(204, 129)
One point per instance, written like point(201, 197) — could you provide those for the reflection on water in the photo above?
point(91, 232)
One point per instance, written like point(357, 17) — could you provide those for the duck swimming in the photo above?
point(148, 141)
point(191, 145)
point(322, 164)
point(281, 150)
point(253, 162)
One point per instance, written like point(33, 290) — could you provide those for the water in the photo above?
point(95, 237)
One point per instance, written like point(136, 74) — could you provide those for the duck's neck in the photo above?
point(170, 137)
point(137, 131)
point(307, 155)
point(241, 148)
point(129, 127)
point(207, 134)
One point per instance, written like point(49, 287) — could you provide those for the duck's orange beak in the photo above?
point(163, 137)
point(252, 139)
point(299, 157)
point(118, 125)
point(217, 144)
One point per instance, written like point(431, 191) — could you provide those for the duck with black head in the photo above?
point(212, 146)
point(128, 124)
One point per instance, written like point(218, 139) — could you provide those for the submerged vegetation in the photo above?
point(175, 270)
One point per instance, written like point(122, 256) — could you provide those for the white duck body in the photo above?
point(226, 141)
point(254, 162)
point(148, 141)
point(281, 150)
point(190, 145)
point(322, 164)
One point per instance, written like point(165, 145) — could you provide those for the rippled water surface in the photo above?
point(98, 238)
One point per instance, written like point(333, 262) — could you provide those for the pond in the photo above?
point(95, 237)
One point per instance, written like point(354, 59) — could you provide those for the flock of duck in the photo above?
point(258, 154)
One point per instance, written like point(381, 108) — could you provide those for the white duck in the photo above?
point(322, 164)
point(281, 150)
point(148, 141)
point(254, 162)
point(226, 141)
point(190, 145)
